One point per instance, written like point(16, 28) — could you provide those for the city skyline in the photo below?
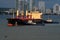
point(11, 3)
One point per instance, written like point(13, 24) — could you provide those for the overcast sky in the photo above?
point(11, 3)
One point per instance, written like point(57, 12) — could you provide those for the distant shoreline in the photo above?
point(51, 14)
point(2, 13)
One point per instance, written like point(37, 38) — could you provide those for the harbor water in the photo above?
point(30, 32)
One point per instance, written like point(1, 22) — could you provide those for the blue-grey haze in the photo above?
point(11, 3)
point(7, 3)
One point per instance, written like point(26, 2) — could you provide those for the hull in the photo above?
point(24, 22)
point(15, 21)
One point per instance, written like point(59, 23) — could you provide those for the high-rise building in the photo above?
point(16, 5)
point(56, 8)
point(30, 4)
point(41, 6)
point(22, 4)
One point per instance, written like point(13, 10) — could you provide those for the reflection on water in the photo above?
point(32, 32)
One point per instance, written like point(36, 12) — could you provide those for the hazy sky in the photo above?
point(7, 3)
point(11, 3)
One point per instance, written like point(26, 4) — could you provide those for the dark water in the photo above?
point(25, 32)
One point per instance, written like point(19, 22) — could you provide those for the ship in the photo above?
point(31, 18)
point(25, 17)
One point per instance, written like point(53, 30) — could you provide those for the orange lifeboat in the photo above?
point(9, 24)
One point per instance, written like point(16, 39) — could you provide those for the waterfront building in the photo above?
point(59, 10)
point(41, 6)
point(48, 11)
point(56, 8)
